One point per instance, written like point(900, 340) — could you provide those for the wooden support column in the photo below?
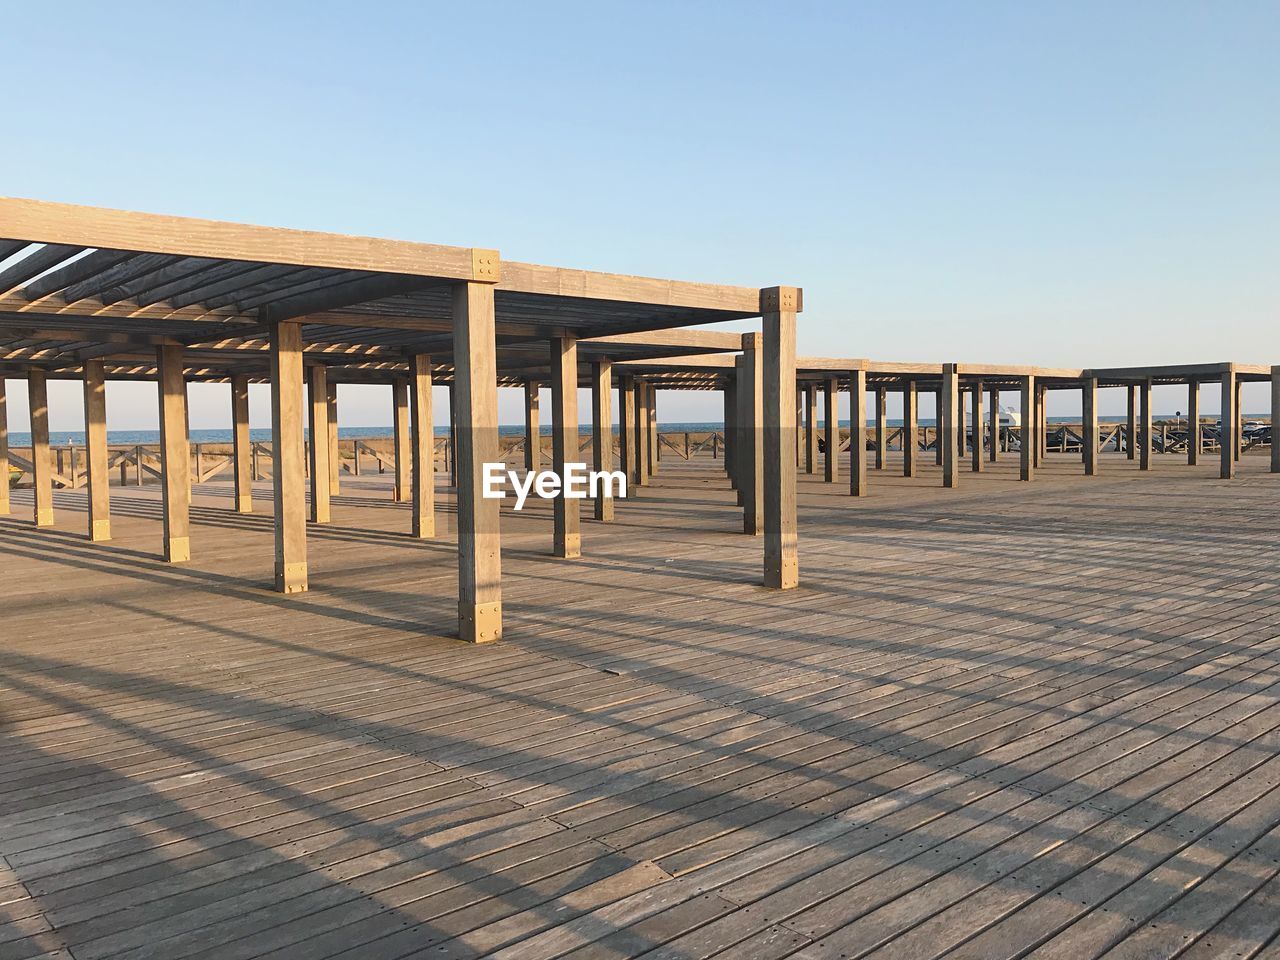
point(994, 427)
point(949, 420)
point(318, 426)
point(564, 443)
point(175, 455)
point(831, 430)
point(1144, 429)
point(602, 434)
point(1089, 406)
point(41, 460)
point(95, 430)
point(1042, 423)
point(654, 436)
point(453, 437)
point(627, 420)
point(800, 431)
point(642, 433)
point(882, 427)
point(532, 426)
point(961, 433)
point(751, 409)
point(479, 537)
point(811, 428)
point(1230, 425)
point(1027, 441)
point(4, 452)
point(400, 438)
point(1193, 423)
point(1131, 422)
point(858, 432)
point(1275, 418)
point(975, 415)
point(423, 444)
point(241, 446)
point(910, 429)
point(730, 408)
point(288, 491)
point(1238, 431)
point(779, 306)
point(335, 453)
point(937, 426)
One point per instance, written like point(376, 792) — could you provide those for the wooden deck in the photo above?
point(993, 722)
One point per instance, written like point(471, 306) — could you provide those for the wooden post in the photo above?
point(1144, 429)
point(731, 430)
point(41, 460)
point(479, 537)
point(1042, 423)
point(564, 443)
point(642, 433)
point(318, 426)
point(335, 453)
point(858, 432)
point(800, 429)
point(602, 434)
point(811, 427)
point(938, 404)
point(751, 409)
point(627, 420)
point(532, 426)
point(453, 436)
point(355, 457)
point(137, 465)
point(975, 452)
point(241, 445)
point(831, 430)
point(1089, 406)
point(654, 445)
point(882, 427)
point(287, 458)
point(1193, 423)
point(778, 376)
point(949, 425)
point(4, 452)
point(910, 428)
point(994, 453)
point(1230, 425)
point(1238, 427)
point(175, 455)
point(423, 444)
point(1131, 422)
point(95, 430)
point(1027, 438)
point(1275, 418)
point(400, 441)
point(961, 432)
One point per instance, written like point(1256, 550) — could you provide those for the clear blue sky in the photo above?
point(1075, 183)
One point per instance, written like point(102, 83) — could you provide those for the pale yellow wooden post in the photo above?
point(811, 427)
point(175, 455)
point(654, 434)
point(858, 432)
point(831, 430)
point(630, 447)
point(1145, 428)
point(1089, 392)
point(1238, 429)
point(476, 391)
point(910, 428)
point(287, 458)
point(779, 306)
point(949, 424)
point(41, 459)
point(4, 452)
point(937, 427)
point(335, 453)
point(1027, 434)
point(318, 427)
point(400, 441)
point(1230, 425)
point(642, 433)
point(751, 410)
point(602, 433)
point(532, 427)
point(241, 446)
point(423, 442)
point(95, 430)
point(882, 426)
point(566, 512)
point(1193, 424)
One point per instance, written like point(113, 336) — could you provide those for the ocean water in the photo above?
point(125, 437)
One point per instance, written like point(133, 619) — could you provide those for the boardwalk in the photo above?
point(1003, 720)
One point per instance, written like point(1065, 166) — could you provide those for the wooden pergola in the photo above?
point(96, 294)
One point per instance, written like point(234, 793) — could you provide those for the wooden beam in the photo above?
point(5, 506)
point(781, 560)
point(240, 444)
point(561, 282)
point(95, 429)
point(479, 538)
point(831, 430)
point(318, 427)
point(532, 426)
point(175, 455)
point(287, 458)
point(41, 461)
point(400, 438)
point(948, 419)
point(858, 432)
point(422, 428)
point(1027, 438)
point(602, 434)
point(564, 443)
point(1089, 397)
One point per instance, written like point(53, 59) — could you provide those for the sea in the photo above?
point(127, 437)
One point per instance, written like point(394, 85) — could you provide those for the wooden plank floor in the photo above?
point(1006, 720)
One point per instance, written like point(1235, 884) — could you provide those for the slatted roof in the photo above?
point(83, 282)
